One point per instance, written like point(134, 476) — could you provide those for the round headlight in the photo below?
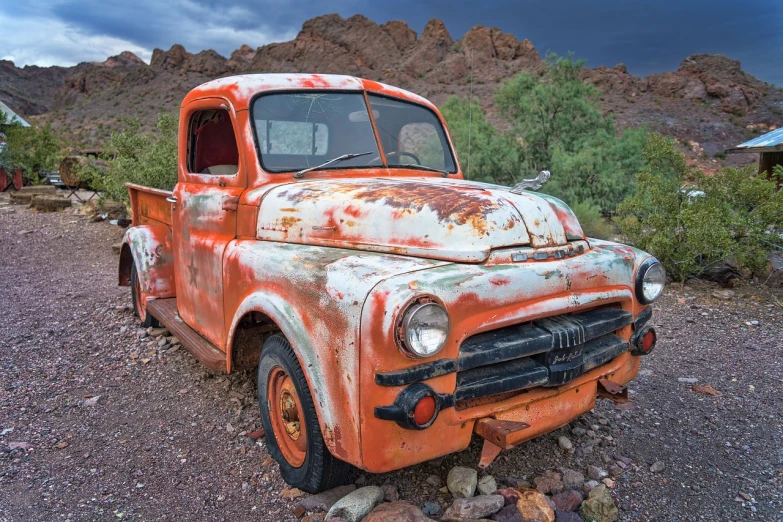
point(425, 328)
point(650, 281)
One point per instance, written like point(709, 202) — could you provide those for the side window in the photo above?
point(212, 148)
point(421, 140)
point(292, 137)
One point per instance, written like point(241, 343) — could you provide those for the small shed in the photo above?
point(769, 146)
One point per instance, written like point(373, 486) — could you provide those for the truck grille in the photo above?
point(546, 352)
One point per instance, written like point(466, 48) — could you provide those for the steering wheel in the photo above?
point(398, 153)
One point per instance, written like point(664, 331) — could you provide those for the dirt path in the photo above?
point(166, 438)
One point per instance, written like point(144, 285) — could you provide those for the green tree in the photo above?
point(493, 156)
point(146, 159)
point(692, 221)
point(558, 122)
point(31, 148)
point(552, 121)
point(556, 109)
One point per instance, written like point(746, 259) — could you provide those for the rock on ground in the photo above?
point(324, 501)
point(474, 508)
point(572, 479)
point(567, 500)
point(462, 482)
point(657, 467)
point(565, 443)
point(510, 495)
point(508, 514)
point(400, 511)
point(596, 473)
point(599, 506)
point(357, 504)
point(549, 482)
point(534, 505)
point(487, 485)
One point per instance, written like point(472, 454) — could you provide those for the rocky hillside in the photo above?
point(708, 103)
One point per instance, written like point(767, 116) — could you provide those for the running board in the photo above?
point(165, 311)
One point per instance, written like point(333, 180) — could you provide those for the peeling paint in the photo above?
point(334, 260)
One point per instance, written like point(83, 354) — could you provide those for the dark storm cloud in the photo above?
point(649, 36)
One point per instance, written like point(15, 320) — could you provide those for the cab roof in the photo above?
point(241, 89)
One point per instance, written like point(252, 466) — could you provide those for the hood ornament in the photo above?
point(531, 184)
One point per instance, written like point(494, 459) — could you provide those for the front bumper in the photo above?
point(543, 373)
point(544, 408)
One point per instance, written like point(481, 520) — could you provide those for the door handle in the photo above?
point(231, 203)
point(171, 199)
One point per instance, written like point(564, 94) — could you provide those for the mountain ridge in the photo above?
point(709, 100)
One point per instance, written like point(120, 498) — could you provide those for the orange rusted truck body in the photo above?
point(540, 317)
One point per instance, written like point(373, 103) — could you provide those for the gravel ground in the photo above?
point(117, 427)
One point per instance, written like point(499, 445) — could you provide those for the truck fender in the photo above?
point(150, 248)
point(288, 319)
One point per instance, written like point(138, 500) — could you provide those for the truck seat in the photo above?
point(220, 169)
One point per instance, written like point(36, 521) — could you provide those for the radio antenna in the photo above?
point(470, 109)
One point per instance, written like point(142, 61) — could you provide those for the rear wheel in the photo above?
point(138, 307)
point(290, 421)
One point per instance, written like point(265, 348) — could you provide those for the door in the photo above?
point(211, 179)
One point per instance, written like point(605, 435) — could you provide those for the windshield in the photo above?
point(296, 131)
point(411, 135)
point(300, 130)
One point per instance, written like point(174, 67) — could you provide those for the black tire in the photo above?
point(145, 318)
point(320, 470)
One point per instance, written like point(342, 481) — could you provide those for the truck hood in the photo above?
point(448, 219)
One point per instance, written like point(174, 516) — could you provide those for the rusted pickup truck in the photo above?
point(322, 233)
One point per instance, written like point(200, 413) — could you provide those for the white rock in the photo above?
point(356, 505)
point(487, 485)
point(462, 482)
point(565, 443)
point(92, 401)
point(474, 508)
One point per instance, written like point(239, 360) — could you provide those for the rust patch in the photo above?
point(289, 221)
point(451, 204)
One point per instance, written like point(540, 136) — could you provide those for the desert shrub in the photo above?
point(142, 158)
point(736, 218)
point(554, 122)
point(594, 223)
point(31, 148)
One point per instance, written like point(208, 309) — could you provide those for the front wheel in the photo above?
point(290, 421)
point(138, 307)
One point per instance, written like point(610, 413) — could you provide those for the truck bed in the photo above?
point(149, 205)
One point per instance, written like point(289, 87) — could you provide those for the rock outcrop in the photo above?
point(90, 99)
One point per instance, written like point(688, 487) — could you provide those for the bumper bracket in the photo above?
point(495, 433)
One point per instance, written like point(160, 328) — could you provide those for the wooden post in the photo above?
point(768, 160)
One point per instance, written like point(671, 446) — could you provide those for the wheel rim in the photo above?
point(286, 416)
point(140, 311)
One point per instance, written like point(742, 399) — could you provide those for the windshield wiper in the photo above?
point(300, 174)
point(444, 173)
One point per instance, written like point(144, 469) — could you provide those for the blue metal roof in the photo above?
point(769, 141)
point(11, 116)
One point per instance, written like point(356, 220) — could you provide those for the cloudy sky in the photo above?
point(647, 35)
